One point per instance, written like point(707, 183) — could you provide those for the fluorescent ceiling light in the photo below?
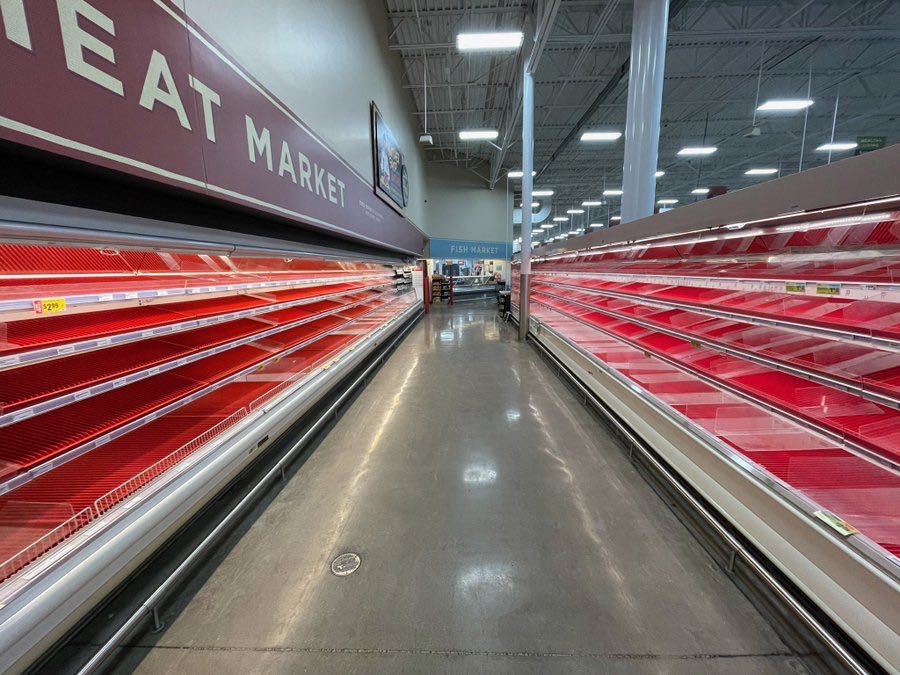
point(666, 202)
point(612, 193)
point(594, 136)
point(598, 224)
point(760, 172)
point(489, 41)
point(561, 219)
point(534, 205)
point(835, 147)
point(660, 174)
point(785, 104)
point(542, 193)
point(700, 191)
point(547, 226)
point(478, 135)
point(575, 211)
point(519, 174)
point(616, 218)
point(592, 203)
point(697, 150)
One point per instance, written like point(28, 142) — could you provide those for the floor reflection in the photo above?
point(480, 474)
point(460, 325)
point(480, 580)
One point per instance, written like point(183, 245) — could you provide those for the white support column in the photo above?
point(645, 87)
point(527, 184)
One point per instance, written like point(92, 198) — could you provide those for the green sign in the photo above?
point(869, 143)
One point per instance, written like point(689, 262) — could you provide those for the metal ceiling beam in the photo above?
point(570, 5)
point(399, 14)
point(695, 75)
point(674, 8)
point(513, 109)
point(602, 23)
point(699, 37)
point(669, 102)
point(841, 62)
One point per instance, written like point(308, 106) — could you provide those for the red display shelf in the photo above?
point(37, 261)
point(779, 339)
point(33, 441)
point(186, 372)
point(32, 334)
point(854, 318)
point(878, 230)
point(866, 423)
point(38, 515)
point(863, 493)
point(39, 282)
point(34, 384)
point(882, 271)
point(871, 370)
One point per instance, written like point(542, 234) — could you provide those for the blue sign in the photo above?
point(467, 249)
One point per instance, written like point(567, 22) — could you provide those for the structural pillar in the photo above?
point(645, 87)
point(527, 185)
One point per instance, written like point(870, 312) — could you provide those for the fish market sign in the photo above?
point(464, 248)
point(140, 88)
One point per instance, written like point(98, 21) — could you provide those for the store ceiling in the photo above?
point(715, 48)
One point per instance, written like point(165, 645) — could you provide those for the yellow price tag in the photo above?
point(51, 306)
point(836, 523)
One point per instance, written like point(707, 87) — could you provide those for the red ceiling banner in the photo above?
point(139, 88)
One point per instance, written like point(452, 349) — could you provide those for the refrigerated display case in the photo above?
point(124, 370)
point(474, 286)
point(774, 345)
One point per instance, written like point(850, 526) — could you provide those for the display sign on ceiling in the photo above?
point(138, 87)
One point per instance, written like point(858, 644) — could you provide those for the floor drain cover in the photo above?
point(345, 564)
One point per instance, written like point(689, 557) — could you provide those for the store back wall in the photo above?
point(326, 61)
point(460, 207)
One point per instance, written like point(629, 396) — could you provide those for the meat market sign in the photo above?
point(138, 87)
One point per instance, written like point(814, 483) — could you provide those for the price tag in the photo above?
point(50, 306)
point(836, 523)
point(828, 289)
point(795, 288)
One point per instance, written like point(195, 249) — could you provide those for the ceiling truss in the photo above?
point(721, 55)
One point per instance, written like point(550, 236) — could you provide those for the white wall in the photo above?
point(326, 59)
point(461, 207)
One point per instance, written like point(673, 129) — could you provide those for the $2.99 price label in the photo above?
point(50, 306)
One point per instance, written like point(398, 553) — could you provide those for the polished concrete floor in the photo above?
point(501, 529)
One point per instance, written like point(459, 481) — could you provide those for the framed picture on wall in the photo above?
point(391, 182)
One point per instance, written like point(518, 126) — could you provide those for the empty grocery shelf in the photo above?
point(781, 341)
point(802, 460)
